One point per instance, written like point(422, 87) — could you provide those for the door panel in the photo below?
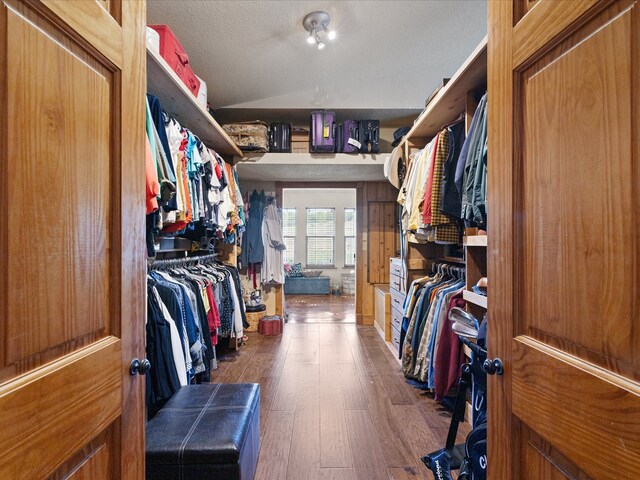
point(540, 460)
point(82, 19)
point(586, 412)
point(95, 466)
point(68, 397)
point(543, 23)
point(577, 172)
point(66, 98)
point(72, 292)
point(382, 240)
point(563, 250)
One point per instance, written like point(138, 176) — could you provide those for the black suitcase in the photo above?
point(346, 131)
point(280, 138)
point(369, 136)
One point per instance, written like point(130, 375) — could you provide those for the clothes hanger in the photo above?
point(454, 122)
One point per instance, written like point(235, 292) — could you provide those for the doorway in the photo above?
point(319, 230)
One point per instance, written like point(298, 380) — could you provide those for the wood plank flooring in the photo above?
point(321, 308)
point(335, 406)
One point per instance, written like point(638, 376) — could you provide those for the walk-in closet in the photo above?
point(319, 240)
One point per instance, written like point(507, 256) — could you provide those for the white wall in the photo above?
point(337, 198)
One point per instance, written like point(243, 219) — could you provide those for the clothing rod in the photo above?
point(183, 261)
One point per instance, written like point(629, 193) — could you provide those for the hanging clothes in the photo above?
point(252, 246)
point(189, 308)
point(474, 175)
point(427, 344)
point(272, 237)
point(199, 193)
point(153, 187)
point(451, 198)
point(423, 219)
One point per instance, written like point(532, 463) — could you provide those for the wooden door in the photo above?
point(72, 287)
point(382, 231)
point(564, 239)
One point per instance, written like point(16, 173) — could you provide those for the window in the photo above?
point(349, 237)
point(321, 231)
point(289, 227)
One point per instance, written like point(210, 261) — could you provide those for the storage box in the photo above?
point(299, 140)
point(270, 325)
point(175, 55)
point(349, 283)
point(300, 147)
point(299, 135)
point(254, 319)
point(249, 136)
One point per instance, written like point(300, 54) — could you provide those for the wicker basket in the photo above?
point(254, 318)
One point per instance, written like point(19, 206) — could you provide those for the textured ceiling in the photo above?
point(388, 57)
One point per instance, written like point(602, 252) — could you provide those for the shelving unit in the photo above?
point(179, 102)
point(475, 241)
point(173, 250)
point(312, 166)
point(453, 99)
point(458, 99)
point(472, 297)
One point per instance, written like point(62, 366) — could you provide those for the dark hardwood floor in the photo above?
point(321, 308)
point(334, 405)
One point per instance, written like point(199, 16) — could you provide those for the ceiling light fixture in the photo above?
point(317, 23)
point(311, 39)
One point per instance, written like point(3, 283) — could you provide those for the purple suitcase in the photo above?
point(323, 132)
point(347, 137)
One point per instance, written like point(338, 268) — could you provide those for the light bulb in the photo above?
point(321, 46)
point(311, 40)
point(331, 35)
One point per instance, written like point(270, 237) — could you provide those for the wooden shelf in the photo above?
point(312, 167)
point(315, 158)
point(450, 101)
point(474, 298)
point(418, 264)
point(458, 260)
point(179, 102)
point(475, 241)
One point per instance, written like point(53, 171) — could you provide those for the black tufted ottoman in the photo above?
point(206, 431)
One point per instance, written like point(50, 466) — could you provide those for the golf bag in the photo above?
point(470, 458)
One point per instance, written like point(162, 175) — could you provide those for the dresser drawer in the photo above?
point(397, 283)
point(396, 267)
point(397, 299)
point(395, 338)
point(396, 318)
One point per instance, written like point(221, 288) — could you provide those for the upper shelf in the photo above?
point(472, 297)
point(312, 167)
point(180, 103)
point(475, 241)
point(450, 101)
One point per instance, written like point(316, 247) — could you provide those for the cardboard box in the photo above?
point(299, 135)
point(300, 147)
